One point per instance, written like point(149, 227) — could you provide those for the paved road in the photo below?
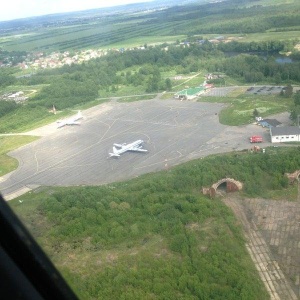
point(174, 132)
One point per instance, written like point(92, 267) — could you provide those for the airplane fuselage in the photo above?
point(71, 121)
point(135, 146)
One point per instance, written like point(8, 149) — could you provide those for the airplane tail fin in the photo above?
point(119, 145)
point(115, 153)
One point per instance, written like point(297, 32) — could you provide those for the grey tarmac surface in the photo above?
point(173, 131)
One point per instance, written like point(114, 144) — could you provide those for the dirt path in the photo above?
point(272, 231)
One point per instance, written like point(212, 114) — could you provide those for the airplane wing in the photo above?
point(115, 153)
point(138, 149)
point(61, 124)
point(78, 116)
point(135, 146)
point(119, 145)
point(72, 121)
point(64, 123)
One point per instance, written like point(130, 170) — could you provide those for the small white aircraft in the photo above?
point(135, 146)
point(71, 121)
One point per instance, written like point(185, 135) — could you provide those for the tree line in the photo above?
point(295, 108)
point(7, 77)
point(75, 84)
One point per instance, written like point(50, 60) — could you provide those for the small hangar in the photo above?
point(189, 94)
point(269, 123)
point(285, 134)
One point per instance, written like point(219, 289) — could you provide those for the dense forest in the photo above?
point(6, 77)
point(157, 236)
point(295, 108)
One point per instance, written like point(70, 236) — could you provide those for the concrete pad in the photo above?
point(173, 131)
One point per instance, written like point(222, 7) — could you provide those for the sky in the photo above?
point(16, 9)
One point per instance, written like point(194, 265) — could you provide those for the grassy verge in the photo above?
point(289, 194)
point(135, 98)
point(123, 90)
point(240, 108)
point(149, 40)
point(9, 143)
point(26, 118)
point(271, 36)
point(27, 89)
point(167, 96)
point(189, 80)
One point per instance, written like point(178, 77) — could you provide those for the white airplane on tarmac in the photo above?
point(71, 121)
point(135, 146)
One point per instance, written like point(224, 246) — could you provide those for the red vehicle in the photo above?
point(256, 139)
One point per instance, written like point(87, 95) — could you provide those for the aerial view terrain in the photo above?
point(152, 149)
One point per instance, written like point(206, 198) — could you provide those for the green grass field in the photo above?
point(240, 108)
point(271, 36)
point(136, 98)
point(9, 143)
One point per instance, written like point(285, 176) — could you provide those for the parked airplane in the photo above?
point(71, 121)
point(135, 146)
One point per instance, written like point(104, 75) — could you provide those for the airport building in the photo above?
point(192, 93)
point(285, 134)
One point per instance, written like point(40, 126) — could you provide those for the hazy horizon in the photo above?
point(19, 9)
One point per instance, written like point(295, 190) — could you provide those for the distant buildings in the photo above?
point(269, 123)
point(57, 59)
point(15, 96)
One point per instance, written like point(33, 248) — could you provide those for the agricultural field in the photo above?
point(161, 26)
point(99, 35)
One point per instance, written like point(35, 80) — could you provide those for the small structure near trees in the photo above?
point(293, 177)
point(232, 185)
point(285, 134)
